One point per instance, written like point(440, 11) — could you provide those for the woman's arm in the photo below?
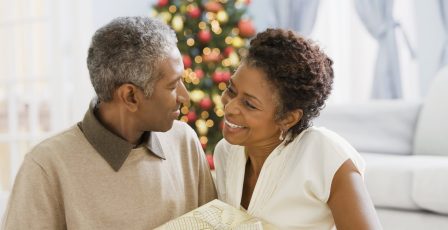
point(350, 202)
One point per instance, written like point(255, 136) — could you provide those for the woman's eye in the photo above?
point(230, 91)
point(249, 105)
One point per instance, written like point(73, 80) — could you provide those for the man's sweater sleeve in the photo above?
point(35, 201)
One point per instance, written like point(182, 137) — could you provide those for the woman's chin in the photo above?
point(232, 139)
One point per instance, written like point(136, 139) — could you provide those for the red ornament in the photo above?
point(246, 28)
point(162, 3)
point(203, 145)
point(210, 161)
point(194, 12)
point(226, 76)
point(205, 36)
point(199, 73)
point(217, 76)
point(221, 76)
point(221, 125)
point(186, 60)
point(213, 6)
point(191, 116)
point(228, 50)
point(205, 103)
point(212, 57)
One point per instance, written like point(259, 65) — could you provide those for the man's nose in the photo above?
point(182, 93)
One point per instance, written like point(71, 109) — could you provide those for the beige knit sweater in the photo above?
point(65, 184)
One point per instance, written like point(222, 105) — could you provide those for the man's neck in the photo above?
point(117, 121)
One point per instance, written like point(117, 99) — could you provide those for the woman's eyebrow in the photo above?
point(245, 94)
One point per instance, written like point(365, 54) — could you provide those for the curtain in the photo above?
point(377, 17)
point(297, 15)
point(443, 6)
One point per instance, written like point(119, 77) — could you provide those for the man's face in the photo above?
point(158, 112)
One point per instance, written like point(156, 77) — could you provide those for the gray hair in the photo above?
point(128, 50)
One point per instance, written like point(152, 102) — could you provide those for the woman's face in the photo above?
point(250, 106)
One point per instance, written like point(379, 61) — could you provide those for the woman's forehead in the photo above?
point(253, 81)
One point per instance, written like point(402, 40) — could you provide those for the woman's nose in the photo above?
point(230, 106)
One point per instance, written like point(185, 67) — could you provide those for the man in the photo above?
point(128, 164)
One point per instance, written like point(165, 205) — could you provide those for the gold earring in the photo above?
point(281, 135)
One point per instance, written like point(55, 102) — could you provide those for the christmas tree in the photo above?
point(213, 36)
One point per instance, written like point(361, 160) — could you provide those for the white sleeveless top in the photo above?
point(295, 181)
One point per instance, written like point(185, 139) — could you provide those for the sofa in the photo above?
point(405, 146)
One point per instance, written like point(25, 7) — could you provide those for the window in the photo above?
point(43, 78)
point(344, 38)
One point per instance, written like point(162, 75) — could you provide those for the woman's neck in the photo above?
point(258, 154)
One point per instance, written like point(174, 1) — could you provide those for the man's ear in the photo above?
point(127, 95)
point(291, 119)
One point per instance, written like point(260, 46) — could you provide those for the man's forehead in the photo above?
point(170, 73)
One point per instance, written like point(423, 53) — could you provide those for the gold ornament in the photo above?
point(203, 140)
point(237, 42)
point(234, 59)
point(154, 13)
point(222, 16)
point(217, 99)
point(201, 127)
point(172, 9)
point(196, 95)
point(190, 42)
point(165, 16)
point(209, 123)
point(177, 23)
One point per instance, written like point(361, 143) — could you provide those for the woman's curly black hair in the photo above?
point(297, 68)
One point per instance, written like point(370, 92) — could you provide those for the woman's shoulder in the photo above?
point(331, 146)
point(322, 136)
point(325, 142)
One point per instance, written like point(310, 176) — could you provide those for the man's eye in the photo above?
point(173, 87)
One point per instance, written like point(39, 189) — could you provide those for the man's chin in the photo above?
point(162, 127)
point(167, 127)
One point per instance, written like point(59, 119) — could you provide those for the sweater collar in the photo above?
point(110, 146)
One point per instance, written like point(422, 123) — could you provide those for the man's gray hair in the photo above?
point(128, 50)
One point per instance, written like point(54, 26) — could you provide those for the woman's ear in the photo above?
point(127, 94)
point(291, 119)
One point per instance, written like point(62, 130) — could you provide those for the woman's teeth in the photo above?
point(232, 125)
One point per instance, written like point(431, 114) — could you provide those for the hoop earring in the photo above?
point(281, 135)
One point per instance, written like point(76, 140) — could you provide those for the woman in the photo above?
point(272, 161)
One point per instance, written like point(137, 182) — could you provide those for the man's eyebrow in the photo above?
point(175, 80)
point(246, 94)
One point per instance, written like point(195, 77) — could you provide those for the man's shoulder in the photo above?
point(56, 144)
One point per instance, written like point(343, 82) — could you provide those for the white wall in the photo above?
point(104, 11)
